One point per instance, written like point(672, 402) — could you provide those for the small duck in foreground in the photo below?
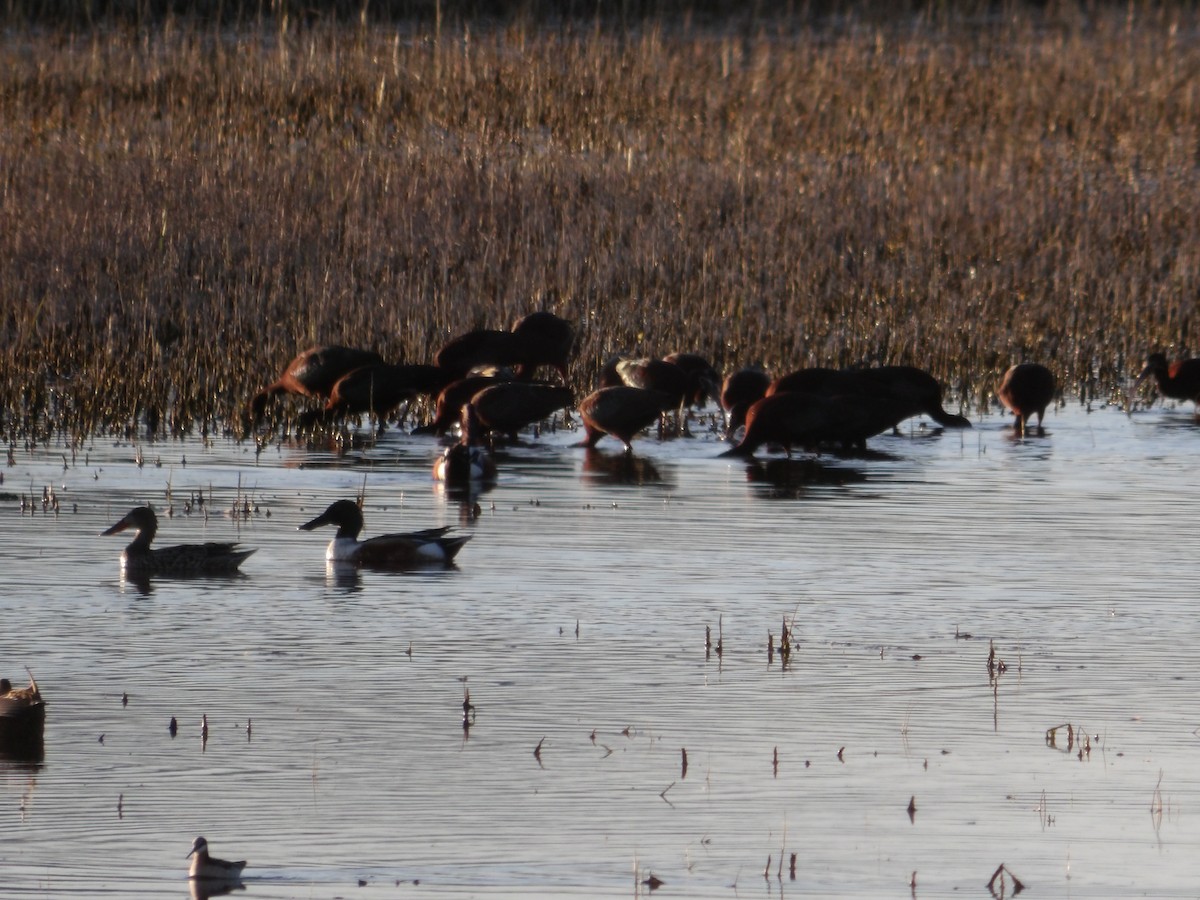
point(21, 704)
point(209, 868)
point(182, 559)
point(415, 548)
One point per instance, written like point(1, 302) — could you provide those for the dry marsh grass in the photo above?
point(185, 207)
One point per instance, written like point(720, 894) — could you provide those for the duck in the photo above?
point(313, 373)
point(544, 339)
point(621, 412)
point(906, 390)
point(182, 559)
point(507, 408)
point(431, 546)
point(209, 868)
point(24, 705)
point(467, 462)
point(1027, 389)
point(1179, 380)
point(538, 339)
point(740, 390)
point(454, 396)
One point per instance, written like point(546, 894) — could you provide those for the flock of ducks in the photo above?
point(483, 382)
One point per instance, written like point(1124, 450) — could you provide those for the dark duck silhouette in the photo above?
point(621, 412)
point(1027, 389)
point(313, 373)
point(509, 407)
point(454, 396)
point(740, 390)
point(1179, 380)
point(182, 559)
point(907, 390)
point(545, 340)
point(538, 339)
point(792, 418)
point(706, 382)
point(387, 551)
point(378, 390)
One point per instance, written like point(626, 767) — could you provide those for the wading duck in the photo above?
point(1179, 380)
point(509, 407)
point(313, 373)
point(431, 546)
point(1027, 389)
point(544, 340)
point(621, 412)
point(538, 339)
point(906, 390)
point(740, 391)
point(182, 559)
point(21, 705)
point(209, 868)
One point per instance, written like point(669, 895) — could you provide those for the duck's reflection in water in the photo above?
point(620, 468)
point(202, 889)
point(22, 744)
point(791, 479)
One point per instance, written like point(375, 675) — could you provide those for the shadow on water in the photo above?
point(791, 479)
point(620, 468)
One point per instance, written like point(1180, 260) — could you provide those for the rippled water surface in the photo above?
point(576, 618)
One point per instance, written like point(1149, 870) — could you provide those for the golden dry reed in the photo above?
point(185, 206)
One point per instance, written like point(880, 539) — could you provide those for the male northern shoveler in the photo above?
point(468, 461)
point(415, 548)
point(1027, 389)
point(1179, 380)
point(182, 559)
point(21, 705)
point(209, 868)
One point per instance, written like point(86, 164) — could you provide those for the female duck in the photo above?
point(182, 559)
point(431, 546)
point(21, 704)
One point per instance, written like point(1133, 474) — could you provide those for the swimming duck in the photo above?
point(182, 559)
point(467, 462)
point(209, 868)
point(415, 548)
point(21, 704)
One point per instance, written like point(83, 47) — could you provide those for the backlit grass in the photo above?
point(184, 207)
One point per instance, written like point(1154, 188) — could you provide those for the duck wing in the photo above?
point(415, 548)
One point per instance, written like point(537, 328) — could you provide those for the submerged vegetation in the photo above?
point(187, 205)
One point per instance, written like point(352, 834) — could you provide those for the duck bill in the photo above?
point(322, 519)
point(120, 526)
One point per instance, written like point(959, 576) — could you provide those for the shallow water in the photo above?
point(576, 618)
